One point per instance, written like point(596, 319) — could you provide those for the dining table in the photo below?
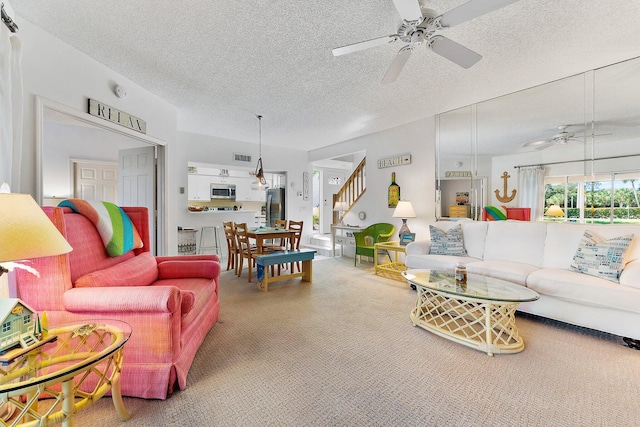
point(262, 234)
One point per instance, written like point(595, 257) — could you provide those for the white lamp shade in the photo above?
point(404, 210)
point(340, 205)
point(25, 230)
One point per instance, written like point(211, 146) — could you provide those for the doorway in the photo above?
point(60, 129)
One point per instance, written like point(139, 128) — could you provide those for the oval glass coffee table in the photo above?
point(70, 368)
point(480, 315)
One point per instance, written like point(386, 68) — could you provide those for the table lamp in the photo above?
point(554, 211)
point(26, 232)
point(404, 210)
point(340, 206)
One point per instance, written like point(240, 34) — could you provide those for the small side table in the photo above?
point(77, 367)
point(391, 269)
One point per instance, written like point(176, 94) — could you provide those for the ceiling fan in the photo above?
point(561, 138)
point(420, 25)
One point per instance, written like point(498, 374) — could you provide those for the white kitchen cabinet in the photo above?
point(199, 187)
point(244, 192)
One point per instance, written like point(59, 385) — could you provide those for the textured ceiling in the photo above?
point(221, 62)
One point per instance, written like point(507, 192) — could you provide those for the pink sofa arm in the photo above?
point(181, 269)
point(123, 299)
point(208, 257)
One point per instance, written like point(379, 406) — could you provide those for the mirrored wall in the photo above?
point(505, 151)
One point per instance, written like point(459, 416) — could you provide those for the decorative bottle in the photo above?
point(394, 192)
point(461, 275)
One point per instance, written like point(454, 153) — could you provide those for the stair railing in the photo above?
point(353, 188)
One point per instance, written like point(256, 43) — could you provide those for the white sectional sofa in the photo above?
point(538, 255)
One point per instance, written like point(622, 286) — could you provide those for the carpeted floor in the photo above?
point(343, 352)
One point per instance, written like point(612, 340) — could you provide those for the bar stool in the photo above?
point(215, 231)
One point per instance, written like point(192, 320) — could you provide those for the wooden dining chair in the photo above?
point(277, 244)
point(246, 249)
point(232, 246)
point(296, 227)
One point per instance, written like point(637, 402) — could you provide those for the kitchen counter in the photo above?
point(224, 212)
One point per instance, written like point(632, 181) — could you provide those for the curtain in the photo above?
point(10, 108)
point(531, 189)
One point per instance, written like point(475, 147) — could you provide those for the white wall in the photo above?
point(57, 71)
point(416, 181)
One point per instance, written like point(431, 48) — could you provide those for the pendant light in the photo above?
point(260, 182)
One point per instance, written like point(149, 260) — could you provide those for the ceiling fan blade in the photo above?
point(397, 64)
point(356, 47)
point(409, 10)
point(543, 146)
point(543, 142)
point(471, 9)
point(453, 51)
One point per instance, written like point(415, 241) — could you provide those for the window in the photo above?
point(26, 319)
point(6, 327)
point(601, 199)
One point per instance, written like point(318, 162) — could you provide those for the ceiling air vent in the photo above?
point(237, 157)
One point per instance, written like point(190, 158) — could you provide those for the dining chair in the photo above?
point(278, 244)
point(232, 246)
point(296, 227)
point(246, 249)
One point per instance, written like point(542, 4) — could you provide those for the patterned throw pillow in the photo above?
point(447, 242)
point(599, 257)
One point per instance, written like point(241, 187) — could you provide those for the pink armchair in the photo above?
point(171, 303)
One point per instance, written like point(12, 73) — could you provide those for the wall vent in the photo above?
point(237, 157)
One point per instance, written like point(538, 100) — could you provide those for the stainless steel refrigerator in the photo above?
point(275, 205)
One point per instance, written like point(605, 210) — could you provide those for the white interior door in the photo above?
point(331, 182)
point(95, 181)
point(137, 183)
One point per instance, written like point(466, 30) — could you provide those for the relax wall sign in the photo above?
point(98, 109)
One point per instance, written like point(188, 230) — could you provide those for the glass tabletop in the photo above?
point(64, 350)
point(480, 287)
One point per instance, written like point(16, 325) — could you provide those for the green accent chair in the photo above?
point(371, 235)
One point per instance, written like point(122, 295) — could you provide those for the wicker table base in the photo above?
point(488, 326)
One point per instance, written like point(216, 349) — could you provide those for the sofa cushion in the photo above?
point(141, 270)
point(631, 274)
point(437, 262)
point(175, 269)
point(514, 272)
point(588, 290)
point(600, 257)
point(448, 242)
point(515, 241)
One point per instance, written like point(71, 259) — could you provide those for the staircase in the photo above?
point(321, 243)
point(353, 188)
point(27, 340)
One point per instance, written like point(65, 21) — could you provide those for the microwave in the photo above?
point(223, 191)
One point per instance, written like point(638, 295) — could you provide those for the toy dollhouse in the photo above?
point(19, 324)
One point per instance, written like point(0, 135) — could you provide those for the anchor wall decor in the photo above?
point(505, 199)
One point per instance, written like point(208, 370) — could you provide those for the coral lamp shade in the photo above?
point(25, 230)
